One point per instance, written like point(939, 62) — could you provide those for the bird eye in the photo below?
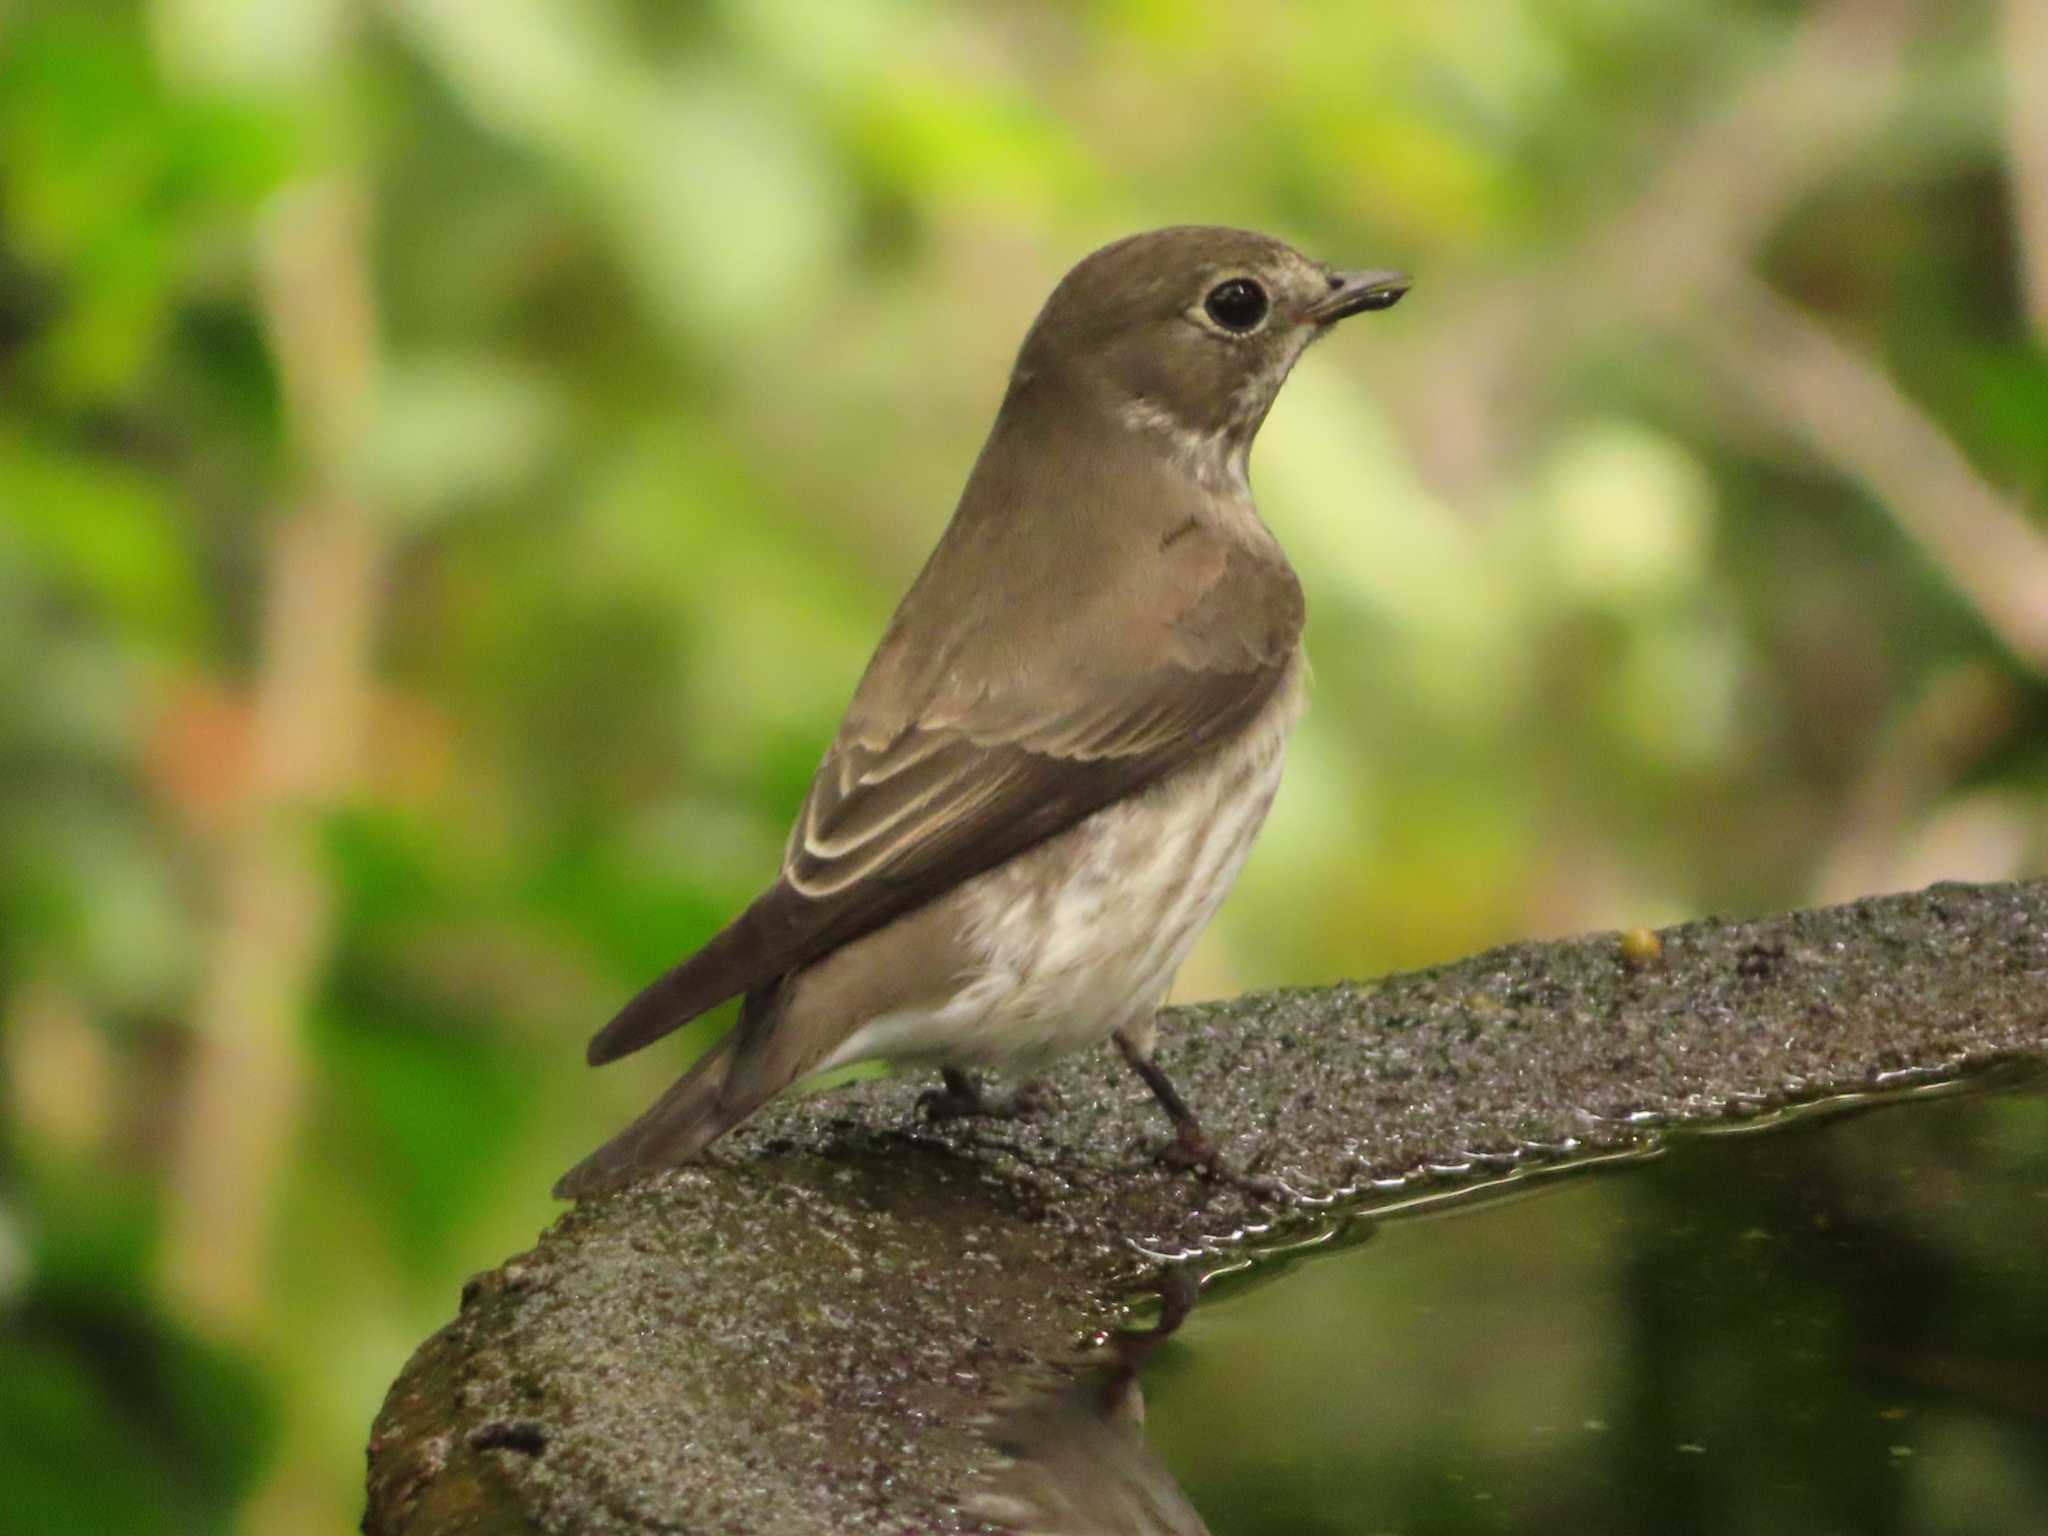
point(1238, 305)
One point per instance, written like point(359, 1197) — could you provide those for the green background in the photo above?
point(456, 455)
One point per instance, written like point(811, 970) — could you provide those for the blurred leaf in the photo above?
point(416, 1109)
point(392, 872)
point(714, 187)
point(956, 140)
point(723, 205)
point(109, 180)
point(262, 46)
point(455, 432)
point(2006, 392)
point(106, 534)
point(638, 914)
point(115, 1421)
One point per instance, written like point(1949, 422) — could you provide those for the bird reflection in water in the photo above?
point(1075, 1462)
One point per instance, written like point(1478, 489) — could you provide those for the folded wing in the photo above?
point(930, 783)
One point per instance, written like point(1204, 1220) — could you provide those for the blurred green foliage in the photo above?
point(455, 457)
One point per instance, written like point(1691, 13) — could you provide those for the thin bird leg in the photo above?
point(962, 1097)
point(1180, 1286)
point(1190, 1147)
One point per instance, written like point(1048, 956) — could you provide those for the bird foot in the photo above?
point(963, 1099)
point(1191, 1151)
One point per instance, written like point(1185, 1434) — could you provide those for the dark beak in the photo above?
point(1353, 293)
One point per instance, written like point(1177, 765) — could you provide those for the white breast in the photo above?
point(1082, 935)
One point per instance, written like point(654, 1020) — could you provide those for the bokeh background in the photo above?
point(456, 455)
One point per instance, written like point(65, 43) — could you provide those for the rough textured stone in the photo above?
point(802, 1332)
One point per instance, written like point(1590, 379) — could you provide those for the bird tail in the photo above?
point(696, 1111)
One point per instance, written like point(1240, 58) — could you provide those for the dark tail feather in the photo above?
point(684, 1121)
point(717, 971)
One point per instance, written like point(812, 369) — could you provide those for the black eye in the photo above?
point(1238, 305)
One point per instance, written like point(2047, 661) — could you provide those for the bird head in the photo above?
point(1188, 333)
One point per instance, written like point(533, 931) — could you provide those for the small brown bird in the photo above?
point(1058, 757)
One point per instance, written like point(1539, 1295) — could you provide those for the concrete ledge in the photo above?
point(802, 1333)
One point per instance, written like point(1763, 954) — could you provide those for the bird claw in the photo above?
point(961, 1098)
point(1191, 1151)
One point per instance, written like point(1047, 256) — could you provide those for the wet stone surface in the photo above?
point(804, 1332)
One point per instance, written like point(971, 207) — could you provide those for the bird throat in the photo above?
point(1214, 459)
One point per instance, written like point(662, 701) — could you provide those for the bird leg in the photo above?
point(962, 1097)
point(1190, 1147)
point(1119, 1397)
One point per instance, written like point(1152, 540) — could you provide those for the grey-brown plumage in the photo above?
point(1061, 749)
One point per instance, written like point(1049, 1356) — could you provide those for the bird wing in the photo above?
point(931, 781)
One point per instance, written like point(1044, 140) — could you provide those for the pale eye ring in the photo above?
point(1237, 304)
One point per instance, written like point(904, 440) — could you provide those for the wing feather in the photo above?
point(900, 813)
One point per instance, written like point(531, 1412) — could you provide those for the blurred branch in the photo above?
point(1962, 715)
point(2025, 36)
point(322, 577)
point(1731, 180)
point(1687, 246)
point(1694, 229)
point(1690, 243)
point(1858, 419)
